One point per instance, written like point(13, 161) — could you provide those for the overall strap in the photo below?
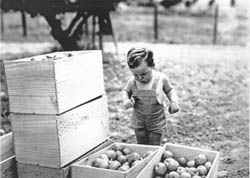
point(134, 87)
point(154, 86)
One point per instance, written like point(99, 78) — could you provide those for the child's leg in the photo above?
point(154, 138)
point(141, 136)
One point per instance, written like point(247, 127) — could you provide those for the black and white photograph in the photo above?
point(124, 88)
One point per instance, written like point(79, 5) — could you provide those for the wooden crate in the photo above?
point(179, 151)
point(35, 171)
point(81, 169)
point(55, 82)
point(56, 140)
point(7, 158)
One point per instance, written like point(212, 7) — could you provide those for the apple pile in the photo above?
point(118, 158)
point(180, 167)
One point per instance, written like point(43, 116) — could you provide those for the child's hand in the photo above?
point(129, 103)
point(173, 108)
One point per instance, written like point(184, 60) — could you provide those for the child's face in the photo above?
point(143, 73)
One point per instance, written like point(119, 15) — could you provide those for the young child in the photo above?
point(144, 93)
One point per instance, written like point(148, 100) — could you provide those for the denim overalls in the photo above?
point(147, 114)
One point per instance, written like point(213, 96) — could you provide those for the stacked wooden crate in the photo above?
point(7, 157)
point(58, 110)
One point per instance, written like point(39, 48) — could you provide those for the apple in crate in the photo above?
point(172, 166)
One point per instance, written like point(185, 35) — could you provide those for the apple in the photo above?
point(171, 164)
point(135, 163)
point(117, 147)
point(192, 170)
point(202, 170)
point(200, 159)
point(185, 175)
point(191, 163)
point(104, 156)
point(96, 162)
point(160, 168)
point(124, 167)
point(182, 161)
point(122, 159)
point(173, 174)
point(158, 176)
point(133, 157)
point(126, 151)
point(180, 170)
point(111, 154)
point(104, 163)
point(196, 176)
point(118, 153)
point(147, 153)
point(208, 165)
point(167, 154)
point(114, 165)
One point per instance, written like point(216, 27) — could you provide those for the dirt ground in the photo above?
point(213, 87)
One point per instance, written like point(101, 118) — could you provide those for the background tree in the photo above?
point(51, 10)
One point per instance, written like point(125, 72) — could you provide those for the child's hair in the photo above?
point(136, 55)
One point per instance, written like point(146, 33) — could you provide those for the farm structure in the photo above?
point(70, 38)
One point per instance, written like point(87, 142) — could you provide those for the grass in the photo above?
point(136, 24)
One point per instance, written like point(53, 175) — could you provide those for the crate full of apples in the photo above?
point(119, 160)
point(177, 161)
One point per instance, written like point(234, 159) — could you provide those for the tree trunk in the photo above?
point(70, 38)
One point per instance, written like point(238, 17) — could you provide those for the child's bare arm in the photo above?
point(172, 96)
point(128, 101)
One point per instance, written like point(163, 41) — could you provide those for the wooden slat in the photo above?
point(35, 138)
point(8, 168)
point(178, 151)
point(190, 152)
point(89, 172)
point(79, 79)
point(30, 105)
point(214, 168)
point(34, 171)
point(31, 86)
point(6, 146)
point(88, 126)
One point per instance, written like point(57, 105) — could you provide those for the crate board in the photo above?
point(178, 151)
point(35, 171)
point(56, 140)
point(54, 83)
point(6, 146)
point(81, 169)
point(7, 162)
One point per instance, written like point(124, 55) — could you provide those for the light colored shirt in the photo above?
point(148, 86)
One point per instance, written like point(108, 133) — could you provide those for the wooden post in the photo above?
point(155, 21)
point(87, 28)
point(100, 33)
point(93, 30)
point(215, 24)
point(233, 3)
point(24, 23)
point(2, 22)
